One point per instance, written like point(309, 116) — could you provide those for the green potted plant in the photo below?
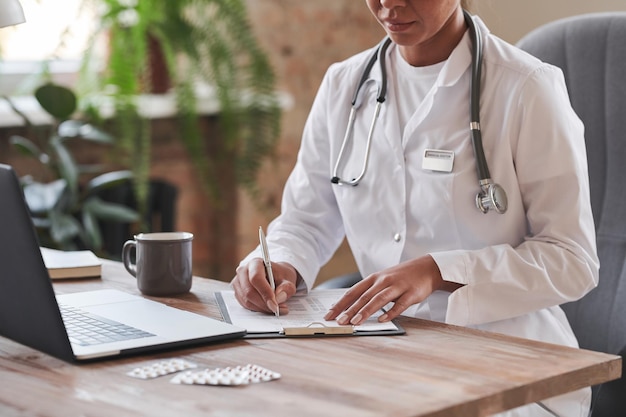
point(200, 41)
point(67, 209)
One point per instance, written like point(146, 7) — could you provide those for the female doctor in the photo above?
point(419, 237)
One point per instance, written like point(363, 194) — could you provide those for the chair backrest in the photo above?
point(591, 51)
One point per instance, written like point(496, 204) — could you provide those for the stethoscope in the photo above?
point(491, 195)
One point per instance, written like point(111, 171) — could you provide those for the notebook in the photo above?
point(71, 264)
point(30, 311)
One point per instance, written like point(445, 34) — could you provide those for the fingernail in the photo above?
point(357, 319)
point(329, 315)
point(342, 319)
point(384, 317)
point(272, 306)
point(281, 297)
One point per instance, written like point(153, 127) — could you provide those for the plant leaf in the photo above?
point(41, 222)
point(41, 198)
point(57, 100)
point(110, 211)
point(78, 129)
point(107, 180)
point(69, 128)
point(66, 166)
point(63, 228)
point(29, 148)
point(91, 231)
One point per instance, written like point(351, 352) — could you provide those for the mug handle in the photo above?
point(129, 245)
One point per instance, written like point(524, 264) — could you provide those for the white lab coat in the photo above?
point(517, 267)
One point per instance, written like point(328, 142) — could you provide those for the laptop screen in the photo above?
point(29, 313)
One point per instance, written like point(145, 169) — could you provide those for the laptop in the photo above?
point(30, 312)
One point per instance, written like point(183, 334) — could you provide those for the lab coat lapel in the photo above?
point(391, 127)
point(457, 64)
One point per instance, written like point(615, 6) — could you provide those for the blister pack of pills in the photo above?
point(239, 375)
point(162, 368)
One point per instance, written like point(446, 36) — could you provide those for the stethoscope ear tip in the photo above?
point(339, 181)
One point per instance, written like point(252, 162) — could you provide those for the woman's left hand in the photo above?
point(405, 284)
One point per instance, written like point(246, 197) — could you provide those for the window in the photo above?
point(55, 30)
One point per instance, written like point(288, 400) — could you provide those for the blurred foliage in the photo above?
point(66, 212)
point(202, 43)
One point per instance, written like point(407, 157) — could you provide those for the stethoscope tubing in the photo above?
point(477, 142)
point(491, 196)
point(357, 100)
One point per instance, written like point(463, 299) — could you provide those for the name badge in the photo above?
point(438, 160)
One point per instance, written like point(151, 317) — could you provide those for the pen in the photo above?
point(268, 265)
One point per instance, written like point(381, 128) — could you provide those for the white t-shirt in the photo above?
point(413, 82)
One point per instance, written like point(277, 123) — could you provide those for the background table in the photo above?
point(433, 370)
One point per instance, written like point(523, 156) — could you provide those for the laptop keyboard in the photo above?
point(86, 329)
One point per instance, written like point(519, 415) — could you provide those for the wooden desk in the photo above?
point(433, 370)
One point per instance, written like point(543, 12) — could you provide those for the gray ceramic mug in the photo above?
point(163, 262)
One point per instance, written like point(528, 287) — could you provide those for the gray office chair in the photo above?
point(591, 51)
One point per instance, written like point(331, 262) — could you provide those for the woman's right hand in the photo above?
point(253, 290)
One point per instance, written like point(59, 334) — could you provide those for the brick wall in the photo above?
point(302, 38)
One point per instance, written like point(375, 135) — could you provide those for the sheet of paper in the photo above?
point(304, 310)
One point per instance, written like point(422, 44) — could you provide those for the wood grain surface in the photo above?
point(433, 370)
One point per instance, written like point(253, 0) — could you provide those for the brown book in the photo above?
point(71, 264)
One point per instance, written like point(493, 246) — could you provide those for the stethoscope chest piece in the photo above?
point(492, 197)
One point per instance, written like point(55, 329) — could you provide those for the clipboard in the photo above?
point(318, 329)
point(261, 325)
